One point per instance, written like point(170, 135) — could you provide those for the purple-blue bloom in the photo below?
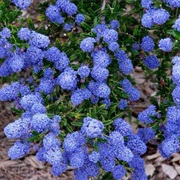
point(10, 92)
point(165, 44)
point(5, 33)
point(87, 44)
point(24, 34)
point(151, 62)
point(147, 44)
point(110, 35)
point(18, 150)
point(145, 115)
point(114, 24)
point(53, 13)
point(176, 25)
point(22, 4)
point(83, 71)
point(92, 128)
point(79, 19)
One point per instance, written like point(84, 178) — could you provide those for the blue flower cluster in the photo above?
point(171, 143)
point(165, 44)
point(134, 93)
point(173, 3)
point(176, 25)
point(22, 4)
point(153, 15)
point(146, 115)
point(55, 14)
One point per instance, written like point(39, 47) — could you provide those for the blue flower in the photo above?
point(169, 146)
point(176, 25)
point(122, 126)
point(77, 97)
point(38, 40)
point(119, 172)
point(40, 122)
point(73, 141)
point(114, 24)
point(136, 46)
point(68, 27)
point(128, 88)
point(24, 34)
point(35, 55)
point(99, 74)
point(53, 13)
point(137, 146)
point(50, 141)
point(121, 55)
point(146, 134)
point(83, 71)
point(22, 4)
point(147, 20)
point(94, 156)
point(53, 156)
point(29, 100)
point(70, 9)
point(102, 59)
point(147, 44)
point(52, 54)
point(173, 3)
point(10, 92)
point(146, 115)
point(110, 35)
point(67, 80)
point(146, 3)
point(165, 44)
point(18, 150)
point(62, 4)
point(92, 128)
point(122, 104)
point(16, 63)
point(151, 62)
point(160, 16)
point(176, 95)
point(18, 129)
point(126, 66)
point(5, 33)
point(87, 44)
point(79, 19)
point(38, 108)
point(113, 46)
point(99, 29)
point(61, 61)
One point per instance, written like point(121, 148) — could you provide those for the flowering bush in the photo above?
point(69, 78)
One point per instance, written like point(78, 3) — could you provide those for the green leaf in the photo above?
point(86, 26)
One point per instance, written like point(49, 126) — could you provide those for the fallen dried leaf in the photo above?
point(177, 167)
point(176, 157)
point(169, 170)
point(149, 168)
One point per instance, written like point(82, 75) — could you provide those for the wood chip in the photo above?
point(177, 167)
point(4, 164)
point(169, 170)
point(34, 162)
point(176, 157)
point(149, 168)
point(154, 156)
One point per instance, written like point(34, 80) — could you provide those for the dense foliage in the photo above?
point(69, 74)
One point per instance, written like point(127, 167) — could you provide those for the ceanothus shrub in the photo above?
point(71, 80)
